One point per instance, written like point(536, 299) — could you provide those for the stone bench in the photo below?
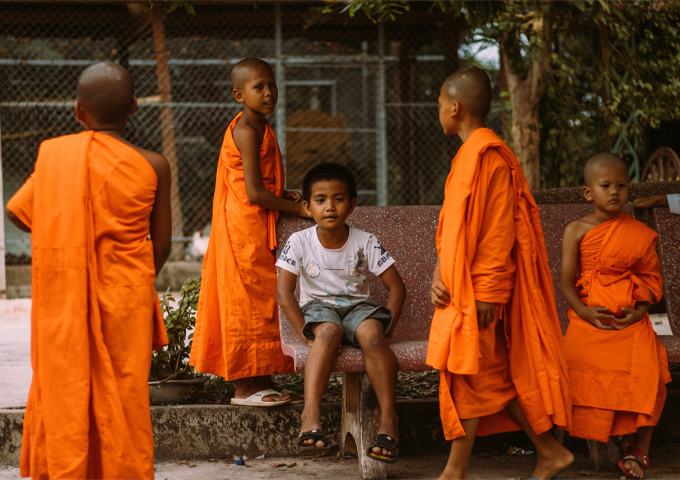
point(408, 233)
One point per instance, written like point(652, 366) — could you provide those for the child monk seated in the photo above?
point(610, 276)
point(333, 260)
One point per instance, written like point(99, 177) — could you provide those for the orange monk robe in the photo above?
point(618, 376)
point(478, 226)
point(96, 314)
point(237, 322)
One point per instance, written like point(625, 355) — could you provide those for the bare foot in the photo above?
point(552, 462)
point(634, 469)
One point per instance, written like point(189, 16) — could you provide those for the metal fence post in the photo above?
point(381, 134)
point(3, 276)
point(281, 83)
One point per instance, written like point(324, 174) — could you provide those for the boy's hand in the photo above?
point(633, 315)
point(292, 196)
point(595, 316)
point(441, 296)
point(486, 313)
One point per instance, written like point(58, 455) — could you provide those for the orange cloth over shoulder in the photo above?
point(536, 360)
point(96, 314)
point(618, 376)
point(237, 322)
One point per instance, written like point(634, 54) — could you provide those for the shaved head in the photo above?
point(242, 70)
point(600, 160)
point(471, 87)
point(106, 91)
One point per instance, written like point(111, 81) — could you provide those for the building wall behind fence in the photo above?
point(350, 91)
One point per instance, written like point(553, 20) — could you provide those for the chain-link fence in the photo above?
point(350, 91)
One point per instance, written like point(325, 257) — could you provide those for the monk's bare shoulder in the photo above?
point(577, 229)
point(157, 161)
point(246, 136)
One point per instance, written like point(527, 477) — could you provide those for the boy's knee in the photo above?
point(327, 332)
point(370, 333)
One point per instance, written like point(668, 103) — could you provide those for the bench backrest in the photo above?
point(668, 246)
point(408, 233)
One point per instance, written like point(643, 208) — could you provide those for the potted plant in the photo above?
point(172, 379)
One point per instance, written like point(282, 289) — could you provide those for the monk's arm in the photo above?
point(651, 202)
point(160, 229)
point(440, 295)
point(285, 296)
point(397, 294)
point(248, 143)
point(568, 273)
point(15, 220)
point(491, 279)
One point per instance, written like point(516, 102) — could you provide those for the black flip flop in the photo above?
point(388, 443)
point(315, 435)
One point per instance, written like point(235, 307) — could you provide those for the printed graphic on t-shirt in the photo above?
point(284, 255)
point(313, 270)
point(359, 265)
point(384, 254)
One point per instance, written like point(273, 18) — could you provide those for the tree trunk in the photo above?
point(525, 96)
point(167, 123)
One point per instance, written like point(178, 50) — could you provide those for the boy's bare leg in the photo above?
point(381, 367)
point(643, 440)
point(552, 457)
point(461, 448)
point(245, 387)
point(327, 338)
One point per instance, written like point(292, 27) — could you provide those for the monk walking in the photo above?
point(495, 335)
point(237, 324)
point(98, 210)
point(610, 276)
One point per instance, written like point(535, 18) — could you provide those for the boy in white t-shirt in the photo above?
point(333, 261)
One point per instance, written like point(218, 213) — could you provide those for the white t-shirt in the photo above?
point(334, 276)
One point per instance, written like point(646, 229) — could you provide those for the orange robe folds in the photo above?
point(491, 248)
point(618, 376)
point(237, 323)
point(96, 314)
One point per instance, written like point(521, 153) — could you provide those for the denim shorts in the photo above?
point(347, 318)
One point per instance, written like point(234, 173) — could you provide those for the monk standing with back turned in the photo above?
point(495, 335)
point(98, 210)
point(237, 323)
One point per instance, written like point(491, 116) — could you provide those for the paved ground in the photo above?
point(15, 352)
point(665, 460)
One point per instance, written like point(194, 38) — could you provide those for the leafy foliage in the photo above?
point(172, 361)
point(187, 5)
point(614, 69)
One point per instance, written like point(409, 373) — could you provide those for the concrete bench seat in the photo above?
point(408, 233)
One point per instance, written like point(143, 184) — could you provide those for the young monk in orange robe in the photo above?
point(495, 335)
point(237, 323)
point(618, 366)
point(90, 207)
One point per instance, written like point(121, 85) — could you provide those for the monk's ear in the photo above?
point(238, 95)
point(587, 194)
point(81, 114)
point(133, 107)
point(456, 109)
